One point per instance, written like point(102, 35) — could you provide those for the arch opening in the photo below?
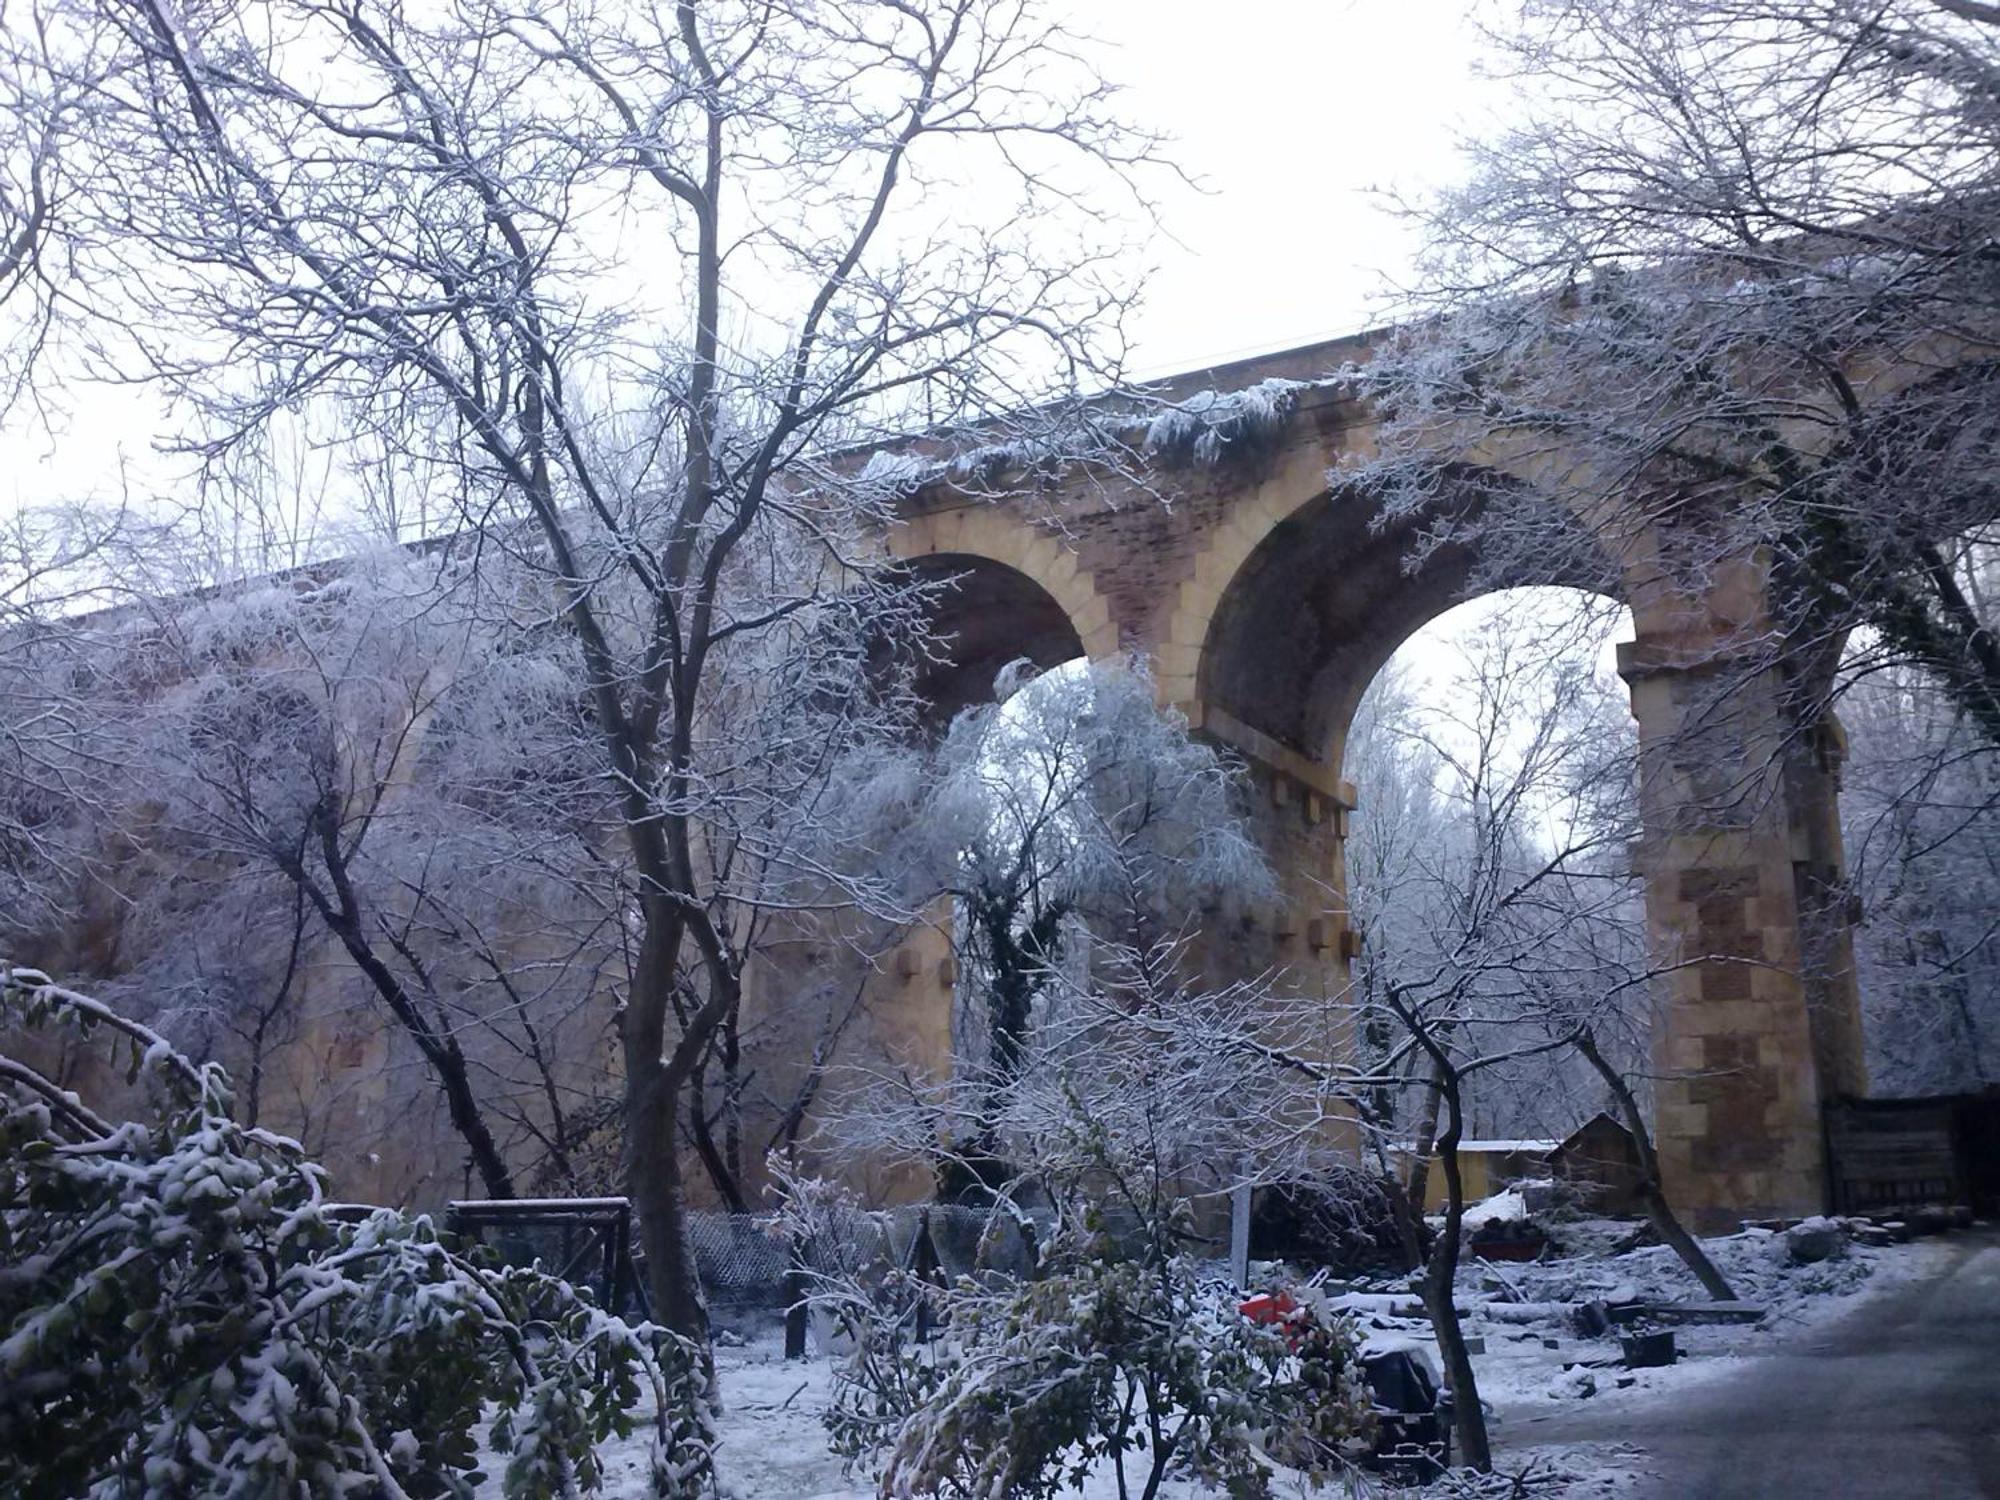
point(1480, 681)
point(1338, 599)
point(980, 616)
point(1494, 763)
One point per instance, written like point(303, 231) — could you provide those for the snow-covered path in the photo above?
point(1899, 1397)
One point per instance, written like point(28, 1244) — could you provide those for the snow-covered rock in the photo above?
point(1815, 1240)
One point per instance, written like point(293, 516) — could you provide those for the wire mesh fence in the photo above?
point(748, 1262)
point(751, 1267)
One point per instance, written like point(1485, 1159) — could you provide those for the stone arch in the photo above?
point(982, 616)
point(1753, 1031)
point(985, 535)
point(1298, 604)
point(1327, 594)
point(1294, 482)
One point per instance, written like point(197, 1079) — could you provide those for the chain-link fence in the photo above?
point(746, 1265)
point(751, 1269)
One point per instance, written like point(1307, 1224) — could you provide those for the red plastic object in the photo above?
point(1268, 1307)
point(1277, 1309)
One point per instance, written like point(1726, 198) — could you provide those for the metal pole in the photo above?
point(1239, 1232)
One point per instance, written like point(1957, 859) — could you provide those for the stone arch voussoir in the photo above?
point(1047, 560)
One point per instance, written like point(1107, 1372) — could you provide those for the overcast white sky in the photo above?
point(1290, 112)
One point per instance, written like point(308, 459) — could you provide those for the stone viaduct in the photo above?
point(1267, 601)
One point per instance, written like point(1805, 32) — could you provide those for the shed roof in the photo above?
point(1570, 1139)
point(1510, 1148)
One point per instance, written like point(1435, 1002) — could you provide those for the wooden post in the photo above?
point(795, 1300)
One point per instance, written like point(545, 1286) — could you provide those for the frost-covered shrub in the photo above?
point(181, 1313)
point(1133, 1361)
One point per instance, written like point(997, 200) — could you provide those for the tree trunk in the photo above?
point(657, 1075)
point(653, 1181)
point(1651, 1191)
point(1440, 1284)
point(1417, 1184)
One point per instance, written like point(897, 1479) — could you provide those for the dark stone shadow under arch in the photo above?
point(981, 615)
point(1333, 591)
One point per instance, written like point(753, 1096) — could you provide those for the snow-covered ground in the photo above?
point(773, 1446)
point(1532, 1371)
point(1519, 1372)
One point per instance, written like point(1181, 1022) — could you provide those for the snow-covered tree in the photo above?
point(51, 771)
point(1515, 751)
point(1140, 1092)
point(1110, 1356)
point(614, 289)
point(1078, 804)
point(1918, 810)
point(350, 804)
point(1072, 812)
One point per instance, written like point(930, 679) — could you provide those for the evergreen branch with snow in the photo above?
point(183, 1311)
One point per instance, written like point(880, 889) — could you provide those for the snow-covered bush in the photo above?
point(182, 1312)
point(1103, 1357)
